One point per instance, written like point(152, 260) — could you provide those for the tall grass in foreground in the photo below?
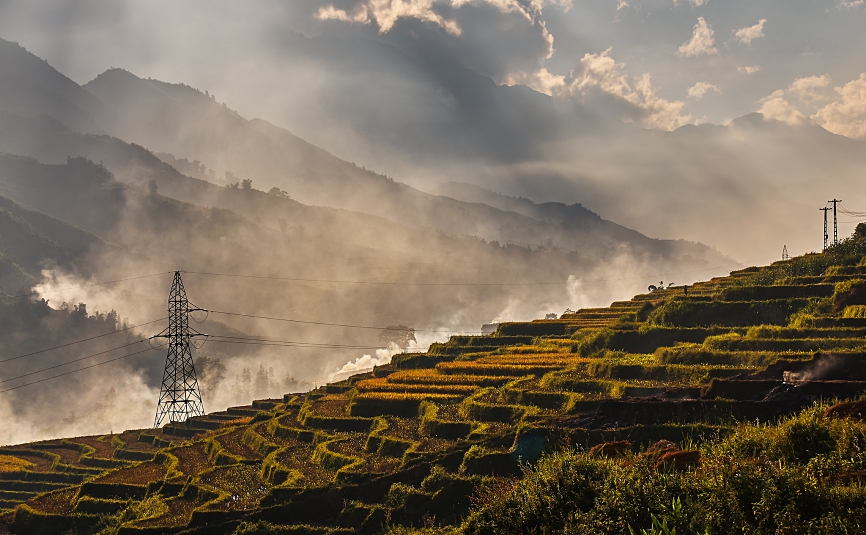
point(800, 476)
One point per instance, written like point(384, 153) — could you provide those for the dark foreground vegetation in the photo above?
point(733, 407)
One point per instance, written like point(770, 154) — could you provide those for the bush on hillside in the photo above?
point(848, 293)
point(790, 478)
point(687, 313)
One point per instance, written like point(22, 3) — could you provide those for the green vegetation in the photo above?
point(800, 476)
point(705, 413)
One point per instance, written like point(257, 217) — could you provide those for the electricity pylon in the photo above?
point(179, 397)
point(825, 225)
point(785, 252)
point(835, 226)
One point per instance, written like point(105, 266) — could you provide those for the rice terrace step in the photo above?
point(686, 385)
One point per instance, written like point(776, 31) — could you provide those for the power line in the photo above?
point(406, 283)
point(380, 283)
point(292, 343)
point(80, 341)
point(78, 370)
point(847, 211)
point(84, 286)
point(390, 328)
point(409, 283)
point(70, 362)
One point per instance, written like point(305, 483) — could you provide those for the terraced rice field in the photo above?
point(416, 438)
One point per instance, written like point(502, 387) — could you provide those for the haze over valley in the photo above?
point(353, 168)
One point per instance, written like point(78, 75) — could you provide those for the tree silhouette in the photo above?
point(399, 335)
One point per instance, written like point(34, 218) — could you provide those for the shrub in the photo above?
point(645, 340)
point(482, 461)
point(688, 313)
point(763, 293)
point(534, 328)
point(851, 292)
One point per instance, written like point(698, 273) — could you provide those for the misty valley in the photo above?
point(211, 323)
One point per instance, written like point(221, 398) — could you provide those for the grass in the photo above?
point(385, 385)
point(494, 369)
point(786, 478)
point(9, 463)
point(404, 448)
point(432, 376)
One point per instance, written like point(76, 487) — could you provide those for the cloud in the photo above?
point(750, 33)
point(794, 104)
point(601, 73)
point(702, 41)
point(851, 4)
point(386, 13)
point(846, 117)
point(748, 69)
point(809, 89)
point(700, 89)
point(366, 362)
point(775, 106)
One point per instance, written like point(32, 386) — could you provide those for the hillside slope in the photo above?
point(31, 241)
point(313, 257)
point(411, 442)
point(180, 120)
point(29, 86)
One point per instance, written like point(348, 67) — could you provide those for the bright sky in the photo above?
point(403, 87)
point(715, 60)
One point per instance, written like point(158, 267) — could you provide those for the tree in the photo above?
point(265, 382)
point(152, 187)
point(211, 373)
point(80, 311)
point(290, 384)
point(399, 335)
point(243, 382)
point(112, 319)
point(247, 183)
point(277, 192)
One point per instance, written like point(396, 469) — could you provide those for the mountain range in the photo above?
point(126, 178)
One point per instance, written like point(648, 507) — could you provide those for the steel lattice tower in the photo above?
point(835, 226)
point(825, 225)
point(179, 397)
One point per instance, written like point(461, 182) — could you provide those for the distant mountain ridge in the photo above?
point(179, 120)
point(29, 86)
point(184, 122)
point(573, 215)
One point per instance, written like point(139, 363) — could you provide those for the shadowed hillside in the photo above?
point(44, 91)
point(182, 121)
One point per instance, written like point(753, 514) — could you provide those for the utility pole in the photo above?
point(785, 252)
point(179, 397)
point(835, 228)
point(825, 225)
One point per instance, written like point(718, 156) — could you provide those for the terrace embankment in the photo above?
point(410, 442)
